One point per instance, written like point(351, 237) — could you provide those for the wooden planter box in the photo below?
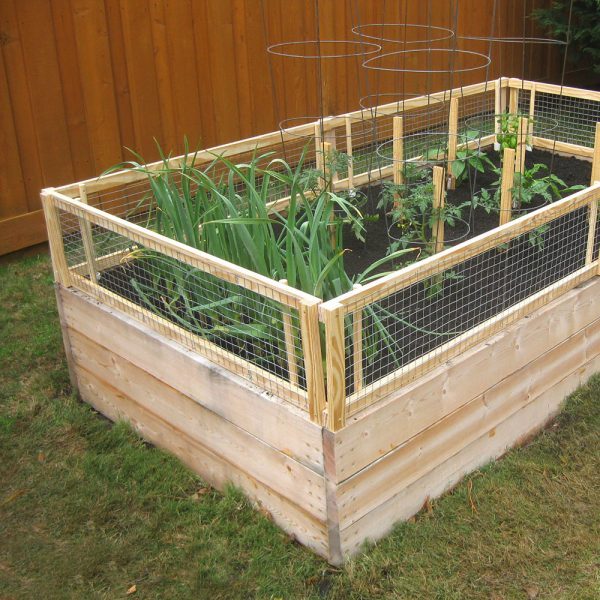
point(335, 462)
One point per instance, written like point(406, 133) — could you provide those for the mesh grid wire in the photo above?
point(413, 323)
point(194, 306)
point(575, 118)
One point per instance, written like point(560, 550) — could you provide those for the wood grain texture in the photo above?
point(86, 79)
point(211, 387)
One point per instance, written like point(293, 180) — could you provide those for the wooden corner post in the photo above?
point(313, 360)
point(55, 239)
point(333, 316)
point(398, 154)
point(508, 180)
point(593, 212)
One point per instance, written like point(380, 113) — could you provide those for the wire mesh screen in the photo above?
point(250, 333)
point(408, 332)
point(575, 118)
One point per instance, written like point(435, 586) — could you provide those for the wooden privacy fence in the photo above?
point(97, 225)
point(80, 80)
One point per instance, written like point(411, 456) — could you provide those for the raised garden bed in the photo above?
point(340, 416)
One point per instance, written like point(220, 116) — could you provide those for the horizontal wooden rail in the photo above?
point(433, 265)
point(557, 90)
point(220, 268)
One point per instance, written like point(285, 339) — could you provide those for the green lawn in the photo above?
point(87, 510)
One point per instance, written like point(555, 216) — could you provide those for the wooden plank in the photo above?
point(491, 445)
point(595, 176)
point(548, 88)
point(196, 258)
point(57, 250)
point(433, 265)
point(336, 370)
point(349, 152)
point(313, 361)
point(217, 471)
point(215, 388)
point(22, 231)
point(513, 101)
point(452, 140)
point(508, 180)
point(522, 133)
point(265, 464)
point(357, 347)
point(88, 241)
point(438, 202)
point(97, 83)
point(404, 466)
point(398, 150)
point(562, 148)
point(379, 429)
point(290, 343)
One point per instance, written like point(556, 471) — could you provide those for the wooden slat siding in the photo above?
point(22, 109)
point(213, 387)
point(402, 467)
point(99, 59)
point(377, 430)
point(22, 231)
point(196, 258)
point(41, 64)
point(491, 445)
point(141, 74)
point(11, 175)
point(72, 90)
point(93, 49)
point(216, 470)
point(274, 469)
point(433, 265)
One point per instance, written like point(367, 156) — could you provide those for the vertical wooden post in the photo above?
point(86, 237)
point(452, 140)
point(437, 229)
point(508, 179)
point(55, 239)
point(499, 108)
point(320, 155)
point(333, 317)
point(313, 360)
point(522, 133)
point(398, 155)
point(327, 153)
point(398, 150)
point(531, 117)
point(513, 101)
point(357, 345)
point(349, 152)
point(593, 211)
point(290, 346)
point(330, 148)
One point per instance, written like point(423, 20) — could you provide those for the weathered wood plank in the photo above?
point(489, 446)
point(213, 387)
point(217, 471)
point(400, 468)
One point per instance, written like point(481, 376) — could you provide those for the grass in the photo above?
point(87, 510)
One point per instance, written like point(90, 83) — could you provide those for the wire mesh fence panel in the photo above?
point(410, 331)
point(249, 332)
point(575, 118)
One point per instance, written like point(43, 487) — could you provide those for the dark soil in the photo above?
point(426, 315)
point(571, 170)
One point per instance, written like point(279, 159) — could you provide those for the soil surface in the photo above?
point(422, 317)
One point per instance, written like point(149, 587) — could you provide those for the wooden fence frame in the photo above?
point(325, 402)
